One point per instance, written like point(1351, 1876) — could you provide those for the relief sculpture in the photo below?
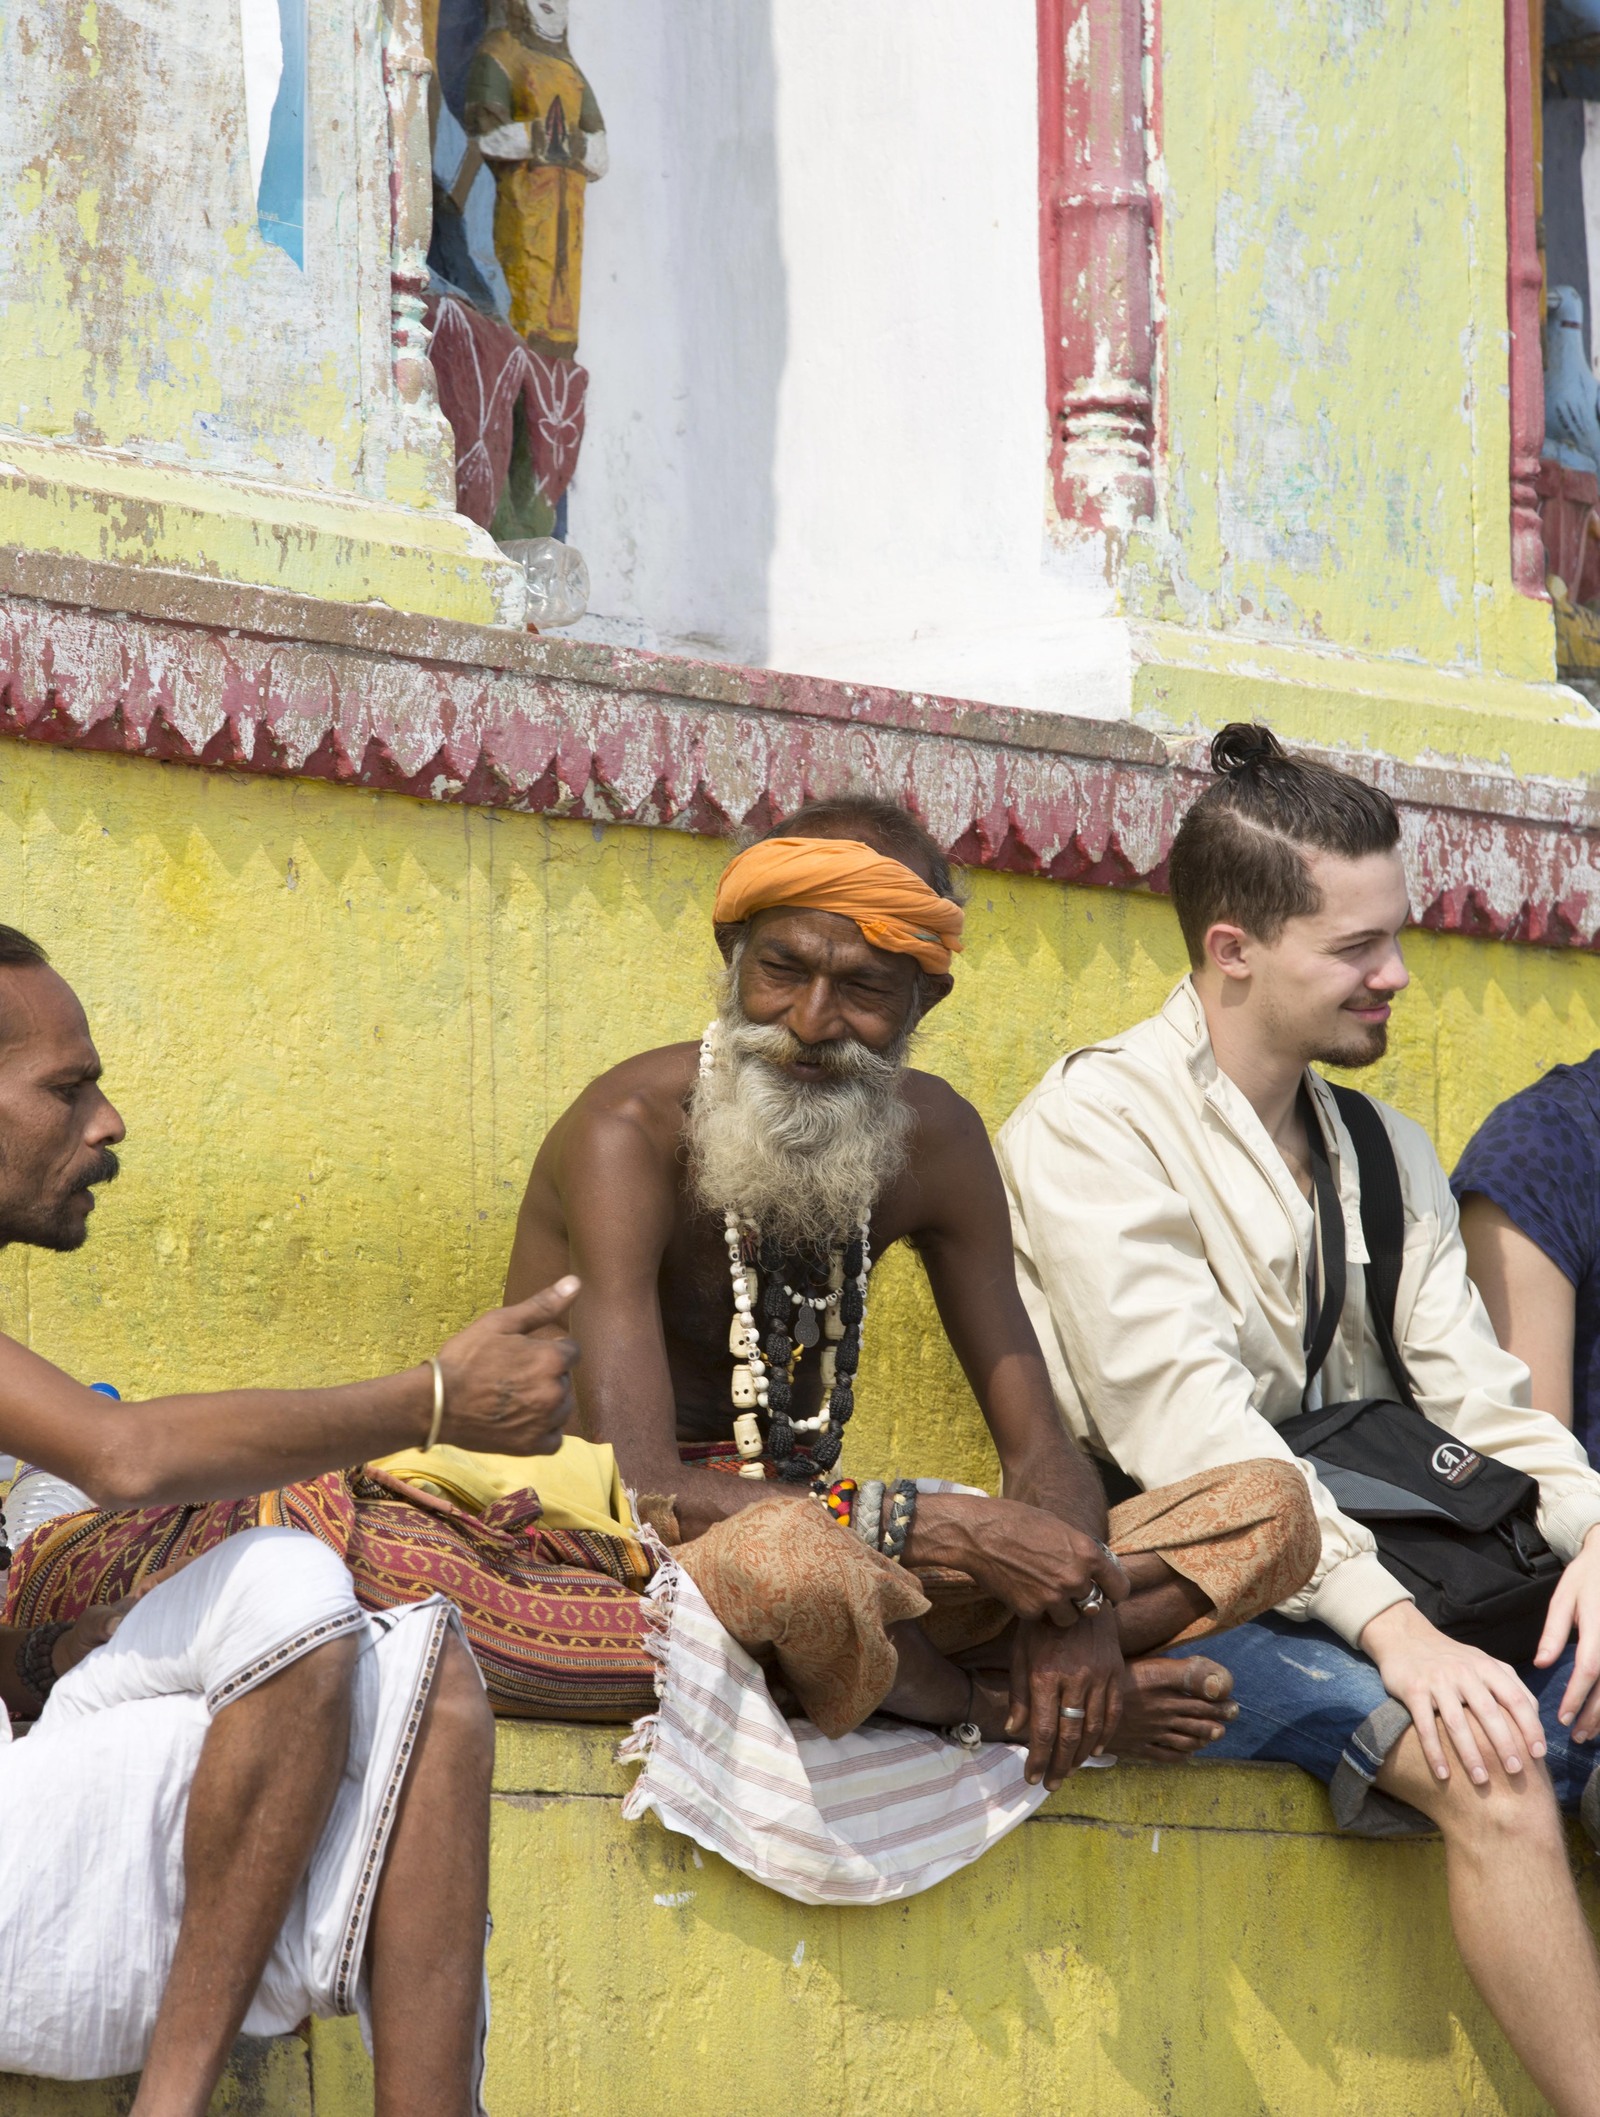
point(538, 126)
point(518, 139)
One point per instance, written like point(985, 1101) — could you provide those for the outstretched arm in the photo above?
point(506, 1391)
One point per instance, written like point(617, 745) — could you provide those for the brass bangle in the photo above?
point(438, 1406)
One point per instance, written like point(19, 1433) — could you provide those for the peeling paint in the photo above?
point(464, 715)
point(135, 290)
point(1334, 237)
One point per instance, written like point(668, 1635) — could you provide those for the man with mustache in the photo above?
point(722, 1203)
point(1191, 1204)
point(240, 1800)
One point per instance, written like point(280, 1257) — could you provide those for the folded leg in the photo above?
point(790, 1584)
point(1243, 1537)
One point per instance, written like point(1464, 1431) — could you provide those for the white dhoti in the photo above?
point(92, 1804)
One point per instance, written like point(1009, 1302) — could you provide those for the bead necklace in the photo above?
point(763, 1372)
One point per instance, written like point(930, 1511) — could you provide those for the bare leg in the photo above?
point(1169, 1708)
point(266, 1779)
point(1517, 1921)
point(425, 1955)
point(1162, 1605)
point(928, 1687)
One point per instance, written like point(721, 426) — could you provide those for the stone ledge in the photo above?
point(269, 2077)
point(536, 1759)
point(69, 505)
point(1155, 1942)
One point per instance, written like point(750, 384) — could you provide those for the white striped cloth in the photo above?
point(870, 1817)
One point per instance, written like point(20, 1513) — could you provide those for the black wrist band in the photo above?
point(35, 1660)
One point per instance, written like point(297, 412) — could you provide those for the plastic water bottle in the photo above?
point(36, 1497)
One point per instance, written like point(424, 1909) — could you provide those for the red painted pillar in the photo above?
point(1524, 293)
point(1095, 258)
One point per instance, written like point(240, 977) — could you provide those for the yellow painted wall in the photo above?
point(338, 1023)
point(1336, 365)
point(1156, 1942)
point(140, 308)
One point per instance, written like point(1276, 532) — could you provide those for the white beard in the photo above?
point(801, 1161)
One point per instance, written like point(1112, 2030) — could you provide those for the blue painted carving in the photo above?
point(461, 257)
point(463, 25)
point(281, 198)
point(1567, 19)
point(1571, 394)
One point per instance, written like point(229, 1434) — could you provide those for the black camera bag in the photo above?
point(1457, 1528)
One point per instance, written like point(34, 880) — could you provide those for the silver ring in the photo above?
point(1093, 1601)
point(1072, 1712)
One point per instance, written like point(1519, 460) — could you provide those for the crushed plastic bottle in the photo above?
point(558, 579)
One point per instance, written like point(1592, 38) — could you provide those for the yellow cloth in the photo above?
point(894, 908)
point(580, 1487)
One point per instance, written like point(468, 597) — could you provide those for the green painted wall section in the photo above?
point(338, 1024)
point(1336, 372)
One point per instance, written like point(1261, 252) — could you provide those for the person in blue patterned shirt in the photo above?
point(1529, 1190)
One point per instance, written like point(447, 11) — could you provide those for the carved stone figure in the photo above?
point(1571, 394)
point(538, 126)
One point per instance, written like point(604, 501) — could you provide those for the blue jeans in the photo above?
point(1306, 1698)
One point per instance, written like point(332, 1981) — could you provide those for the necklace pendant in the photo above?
point(805, 1327)
point(827, 1366)
point(833, 1326)
point(747, 1436)
point(744, 1389)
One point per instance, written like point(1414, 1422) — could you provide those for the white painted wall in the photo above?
point(811, 314)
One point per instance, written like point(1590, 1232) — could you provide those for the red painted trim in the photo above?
point(1095, 261)
point(246, 681)
point(1524, 291)
point(1154, 126)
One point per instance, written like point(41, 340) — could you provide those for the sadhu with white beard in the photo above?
point(723, 1203)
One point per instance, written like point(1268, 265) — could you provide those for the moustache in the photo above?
point(843, 1058)
point(105, 1168)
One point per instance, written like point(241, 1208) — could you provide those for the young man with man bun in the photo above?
point(1174, 1256)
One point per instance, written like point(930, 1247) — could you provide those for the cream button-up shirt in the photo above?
point(1162, 1249)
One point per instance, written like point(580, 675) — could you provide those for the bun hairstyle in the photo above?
point(1242, 745)
point(1240, 853)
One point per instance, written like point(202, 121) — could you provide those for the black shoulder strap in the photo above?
point(1383, 1222)
point(1321, 1332)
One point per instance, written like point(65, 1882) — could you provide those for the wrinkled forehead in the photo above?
point(825, 942)
point(42, 1023)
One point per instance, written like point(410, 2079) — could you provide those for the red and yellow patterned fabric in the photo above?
point(553, 1615)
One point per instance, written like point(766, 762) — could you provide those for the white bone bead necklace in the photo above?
point(751, 1381)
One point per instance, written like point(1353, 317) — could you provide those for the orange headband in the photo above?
point(894, 908)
